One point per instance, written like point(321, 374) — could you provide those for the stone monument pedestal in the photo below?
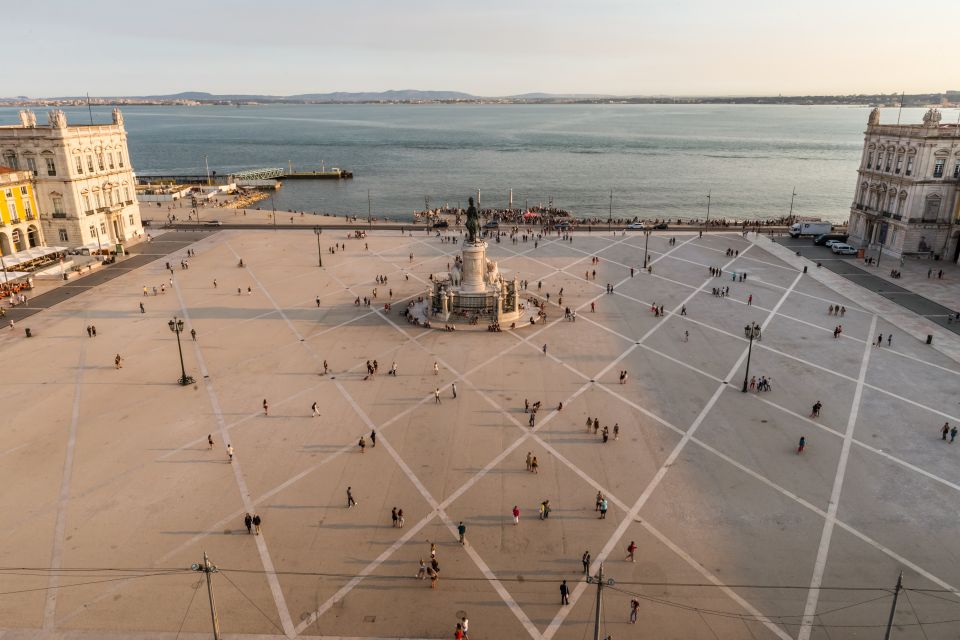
point(474, 267)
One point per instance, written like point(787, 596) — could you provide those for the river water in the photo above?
point(658, 160)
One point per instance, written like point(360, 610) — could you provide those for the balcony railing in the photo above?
point(89, 212)
point(58, 215)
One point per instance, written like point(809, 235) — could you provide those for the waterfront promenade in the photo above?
point(113, 492)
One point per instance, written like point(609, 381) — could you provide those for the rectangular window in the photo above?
point(870, 160)
point(10, 159)
point(110, 159)
point(12, 207)
point(910, 165)
point(938, 168)
point(63, 236)
point(120, 158)
point(100, 161)
point(79, 164)
point(93, 231)
point(8, 193)
point(99, 197)
point(23, 191)
point(956, 169)
point(51, 167)
point(103, 228)
point(27, 211)
point(86, 203)
point(889, 159)
point(57, 204)
point(899, 164)
point(90, 163)
point(32, 165)
point(131, 219)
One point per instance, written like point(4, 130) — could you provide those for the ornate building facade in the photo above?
point(907, 198)
point(84, 182)
point(19, 213)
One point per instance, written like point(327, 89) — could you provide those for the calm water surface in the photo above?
point(659, 160)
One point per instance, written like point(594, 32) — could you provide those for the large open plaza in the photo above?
point(111, 491)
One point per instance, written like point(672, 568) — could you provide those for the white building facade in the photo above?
point(86, 189)
point(908, 187)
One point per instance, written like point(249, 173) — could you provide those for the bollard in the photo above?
point(29, 335)
point(804, 268)
point(929, 339)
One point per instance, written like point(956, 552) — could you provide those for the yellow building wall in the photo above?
point(18, 199)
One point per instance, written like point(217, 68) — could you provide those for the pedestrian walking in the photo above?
point(603, 509)
point(93, 330)
point(318, 301)
point(953, 434)
point(815, 412)
point(529, 460)
point(463, 623)
point(230, 452)
point(631, 550)
point(142, 310)
point(634, 610)
point(117, 362)
point(750, 300)
point(315, 409)
point(256, 523)
point(436, 395)
point(535, 465)
point(453, 388)
point(436, 369)
point(889, 339)
point(193, 334)
point(564, 593)
point(422, 571)
point(616, 430)
point(585, 560)
point(362, 444)
point(393, 517)
point(462, 530)
point(802, 445)
point(599, 500)
point(945, 430)
point(373, 438)
point(880, 340)
point(350, 501)
point(400, 519)
point(544, 348)
point(209, 441)
point(516, 515)
point(533, 418)
point(266, 407)
point(248, 521)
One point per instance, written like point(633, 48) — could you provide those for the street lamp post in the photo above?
point(751, 332)
point(176, 325)
point(705, 224)
point(646, 241)
point(273, 207)
point(318, 231)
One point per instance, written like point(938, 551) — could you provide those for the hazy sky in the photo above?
point(484, 47)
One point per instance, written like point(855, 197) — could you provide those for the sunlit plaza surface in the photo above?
point(107, 477)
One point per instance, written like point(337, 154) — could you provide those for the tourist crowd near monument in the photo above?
point(351, 468)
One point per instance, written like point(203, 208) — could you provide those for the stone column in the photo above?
point(474, 263)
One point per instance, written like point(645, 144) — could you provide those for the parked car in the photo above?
point(843, 249)
point(493, 224)
point(213, 223)
point(662, 225)
point(441, 224)
point(636, 226)
point(825, 238)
